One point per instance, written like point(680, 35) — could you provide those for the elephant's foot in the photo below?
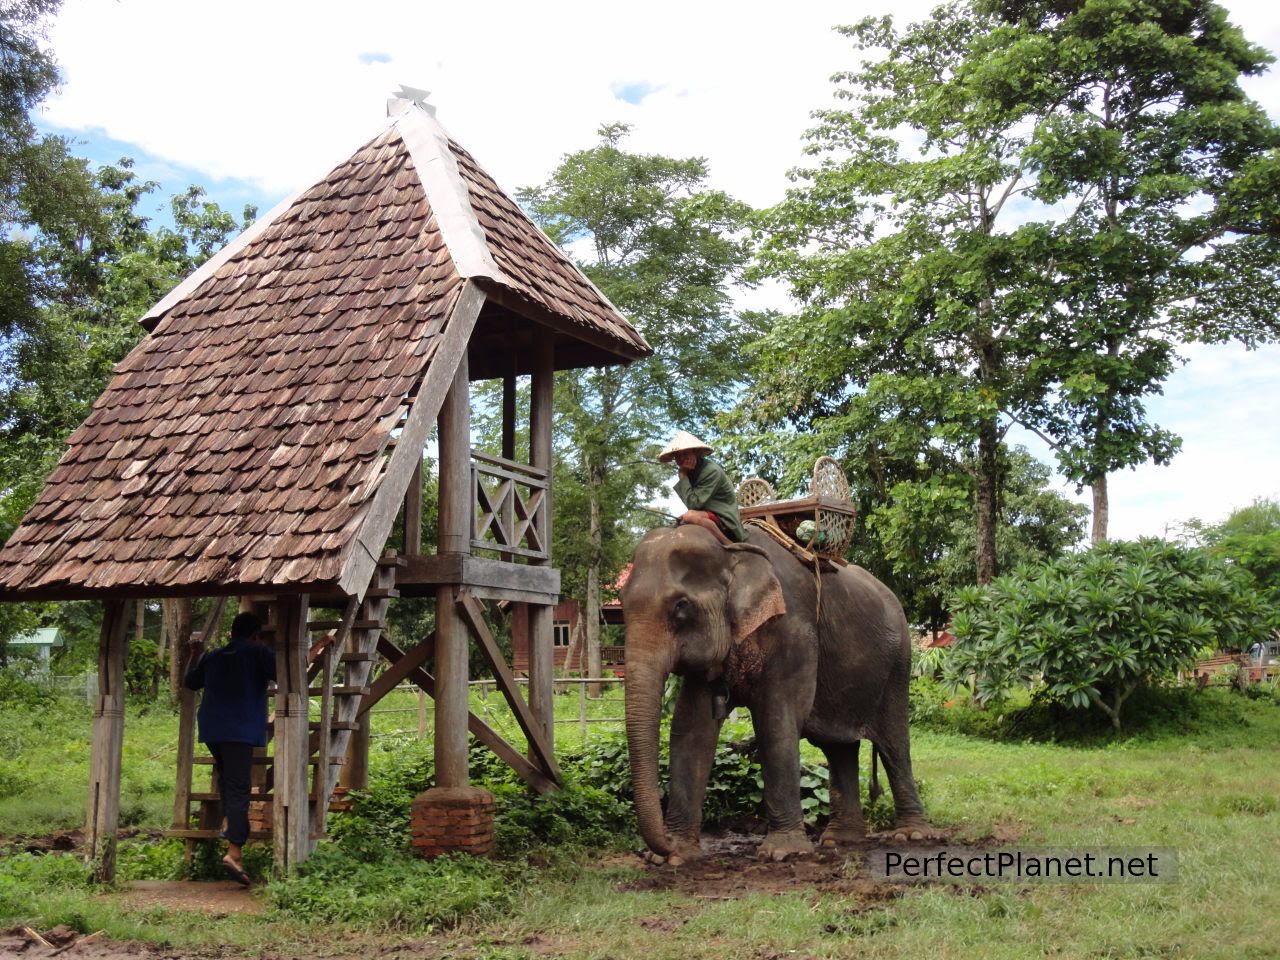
point(839, 833)
point(781, 844)
point(684, 850)
point(914, 829)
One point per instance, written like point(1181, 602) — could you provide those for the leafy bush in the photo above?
point(18, 687)
point(397, 892)
point(24, 877)
point(1092, 627)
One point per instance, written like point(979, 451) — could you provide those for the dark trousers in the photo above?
point(233, 762)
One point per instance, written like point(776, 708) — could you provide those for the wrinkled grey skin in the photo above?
point(694, 608)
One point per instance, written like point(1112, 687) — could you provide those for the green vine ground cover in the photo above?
point(1204, 779)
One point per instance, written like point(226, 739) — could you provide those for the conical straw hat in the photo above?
point(683, 440)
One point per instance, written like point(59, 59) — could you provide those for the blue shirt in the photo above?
point(234, 679)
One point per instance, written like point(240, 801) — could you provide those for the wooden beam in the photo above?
point(475, 572)
point(472, 613)
point(509, 413)
point(413, 513)
point(527, 772)
point(291, 819)
point(187, 721)
point(397, 673)
point(541, 639)
point(103, 812)
point(365, 549)
point(456, 513)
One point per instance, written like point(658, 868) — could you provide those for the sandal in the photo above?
point(236, 872)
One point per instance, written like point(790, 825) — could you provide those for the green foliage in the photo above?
point(398, 892)
point(1250, 540)
point(663, 247)
point(1091, 627)
point(19, 687)
point(27, 877)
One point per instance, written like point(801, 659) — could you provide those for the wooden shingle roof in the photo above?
point(243, 442)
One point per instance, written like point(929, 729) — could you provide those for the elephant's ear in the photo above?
point(755, 595)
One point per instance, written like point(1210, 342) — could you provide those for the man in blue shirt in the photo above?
point(233, 720)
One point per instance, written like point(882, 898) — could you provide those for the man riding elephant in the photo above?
point(704, 488)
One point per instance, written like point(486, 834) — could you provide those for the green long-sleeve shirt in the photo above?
point(708, 488)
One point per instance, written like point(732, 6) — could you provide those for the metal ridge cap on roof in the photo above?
point(251, 233)
point(447, 194)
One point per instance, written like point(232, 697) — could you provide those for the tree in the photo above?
point(912, 289)
point(1169, 174)
point(663, 247)
point(1249, 539)
point(1090, 628)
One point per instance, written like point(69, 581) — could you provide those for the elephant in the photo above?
point(744, 625)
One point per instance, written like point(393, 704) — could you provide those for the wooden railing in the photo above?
point(511, 507)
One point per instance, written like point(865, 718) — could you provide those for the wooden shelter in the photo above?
point(265, 437)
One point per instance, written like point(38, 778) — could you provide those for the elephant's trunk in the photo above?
point(645, 678)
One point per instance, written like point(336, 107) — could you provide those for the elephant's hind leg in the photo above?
point(910, 821)
point(846, 825)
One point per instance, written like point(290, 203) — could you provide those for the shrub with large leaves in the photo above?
point(1090, 628)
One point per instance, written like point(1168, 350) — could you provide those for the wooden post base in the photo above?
point(453, 820)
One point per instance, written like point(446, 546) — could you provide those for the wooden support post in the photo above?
point(509, 414)
point(291, 821)
point(413, 513)
point(355, 770)
point(541, 648)
point(456, 511)
point(103, 811)
point(187, 718)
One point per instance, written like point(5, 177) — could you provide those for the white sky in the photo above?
point(258, 99)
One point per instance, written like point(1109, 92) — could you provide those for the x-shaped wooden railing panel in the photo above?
point(511, 515)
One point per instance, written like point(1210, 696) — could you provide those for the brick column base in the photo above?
point(453, 820)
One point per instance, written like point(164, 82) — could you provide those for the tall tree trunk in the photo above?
point(592, 611)
point(177, 620)
point(988, 500)
point(1101, 510)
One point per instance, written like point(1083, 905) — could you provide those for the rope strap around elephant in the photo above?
point(799, 552)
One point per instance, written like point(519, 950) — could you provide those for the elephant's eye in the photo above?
point(682, 612)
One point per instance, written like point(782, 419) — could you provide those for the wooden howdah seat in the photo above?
point(822, 522)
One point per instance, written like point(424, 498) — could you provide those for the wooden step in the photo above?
point(267, 761)
point(339, 690)
point(254, 795)
point(357, 656)
point(393, 561)
point(380, 593)
point(194, 834)
point(333, 724)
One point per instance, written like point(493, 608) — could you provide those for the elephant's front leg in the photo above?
point(695, 731)
point(778, 742)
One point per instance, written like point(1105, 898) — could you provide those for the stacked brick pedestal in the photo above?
point(453, 820)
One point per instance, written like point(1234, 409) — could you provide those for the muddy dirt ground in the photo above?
point(727, 871)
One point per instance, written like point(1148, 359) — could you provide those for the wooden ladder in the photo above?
point(342, 668)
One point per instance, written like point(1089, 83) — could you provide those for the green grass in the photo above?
point(1203, 780)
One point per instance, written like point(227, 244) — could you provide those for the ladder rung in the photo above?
point(339, 690)
point(333, 724)
point(253, 795)
point(318, 625)
point(393, 562)
point(192, 834)
point(357, 656)
point(379, 593)
point(267, 761)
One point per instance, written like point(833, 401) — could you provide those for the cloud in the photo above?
point(270, 96)
point(632, 93)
